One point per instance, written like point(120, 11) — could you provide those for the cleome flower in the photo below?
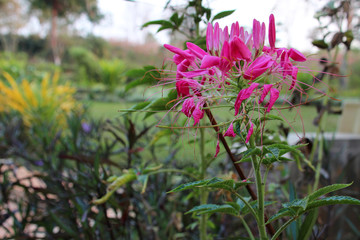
point(237, 67)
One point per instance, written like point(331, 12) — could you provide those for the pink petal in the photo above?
point(296, 55)
point(262, 34)
point(274, 95)
point(256, 33)
point(230, 131)
point(216, 37)
point(178, 51)
point(188, 107)
point(258, 67)
point(266, 89)
point(209, 37)
point(243, 95)
point(196, 50)
point(250, 132)
point(210, 61)
point(294, 77)
point(217, 148)
point(197, 114)
point(239, 50)
point(238, 101)
point(272, 32)
point(195, 73)
point(182, 88)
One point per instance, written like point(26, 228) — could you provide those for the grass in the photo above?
point(186, 141)
point(296, 119)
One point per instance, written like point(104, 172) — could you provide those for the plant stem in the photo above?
point(260, 187)
point(283, 227)
point(203, 192)
point(234, 160)
point(247, 228)
point(247, 204)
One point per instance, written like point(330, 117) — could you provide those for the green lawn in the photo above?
point(296, 119)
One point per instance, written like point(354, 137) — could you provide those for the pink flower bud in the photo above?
point(230, 131)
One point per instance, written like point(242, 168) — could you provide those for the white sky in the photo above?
point(123, 19)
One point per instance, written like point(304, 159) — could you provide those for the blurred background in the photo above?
point(69, 68)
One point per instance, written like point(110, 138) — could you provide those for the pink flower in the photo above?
point(239, 50)
point(258, 67)
point(243, 95)
point(272, 32)
point(258, 34)
point(196, 50)
point(266, 89)
point(217, 150)
point(250, 132)
point(198, 113)
point(190, 109)
point(183, 53)
point(296, 55)
point(230, 131)
point(274, 95)
point(294, 77)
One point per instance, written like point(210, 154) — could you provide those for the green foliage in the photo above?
point(148, 75)
point(222, 15)
point(213, 208)
point(212, 184)
point(86, 63)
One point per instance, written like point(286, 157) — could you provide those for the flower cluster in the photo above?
point(235, 59)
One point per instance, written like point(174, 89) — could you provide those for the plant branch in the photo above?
point(236, 165)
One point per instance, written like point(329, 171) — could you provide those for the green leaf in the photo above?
point(222, 15)
point(140, 106)
point(148, 75)
point(273, 150)
point(213, 183)
point(251, 152)
point(308, 224)
point(156, 22)
point(297, 204)
point(271, 160)
point(322, 191)
point(244, 209)
point(213, 208)
point(116, 184)
point(332, 201)
point(320, 44)
point(176, 19)
point(190, 185)
point(222, 184)
point(284, 212)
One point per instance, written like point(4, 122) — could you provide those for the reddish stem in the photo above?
point(236, 165)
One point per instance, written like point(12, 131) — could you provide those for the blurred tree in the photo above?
point(12, 18)
point(339, 24)
point(68, 10)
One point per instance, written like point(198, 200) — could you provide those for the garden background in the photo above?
point(80, 104)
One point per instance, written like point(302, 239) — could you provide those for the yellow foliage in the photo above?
point(36, 103)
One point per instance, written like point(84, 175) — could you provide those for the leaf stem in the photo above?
point(260, 187)
point(283, 227)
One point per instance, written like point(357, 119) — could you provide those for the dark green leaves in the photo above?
point(212, 184)
point(214, 208)
point(148, 75)
point(222, 15)
point(299, 206)
point(332, 201)
point(325, 190)
point(174, 23)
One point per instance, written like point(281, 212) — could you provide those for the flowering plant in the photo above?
point(238, 68)
point(238, 72)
